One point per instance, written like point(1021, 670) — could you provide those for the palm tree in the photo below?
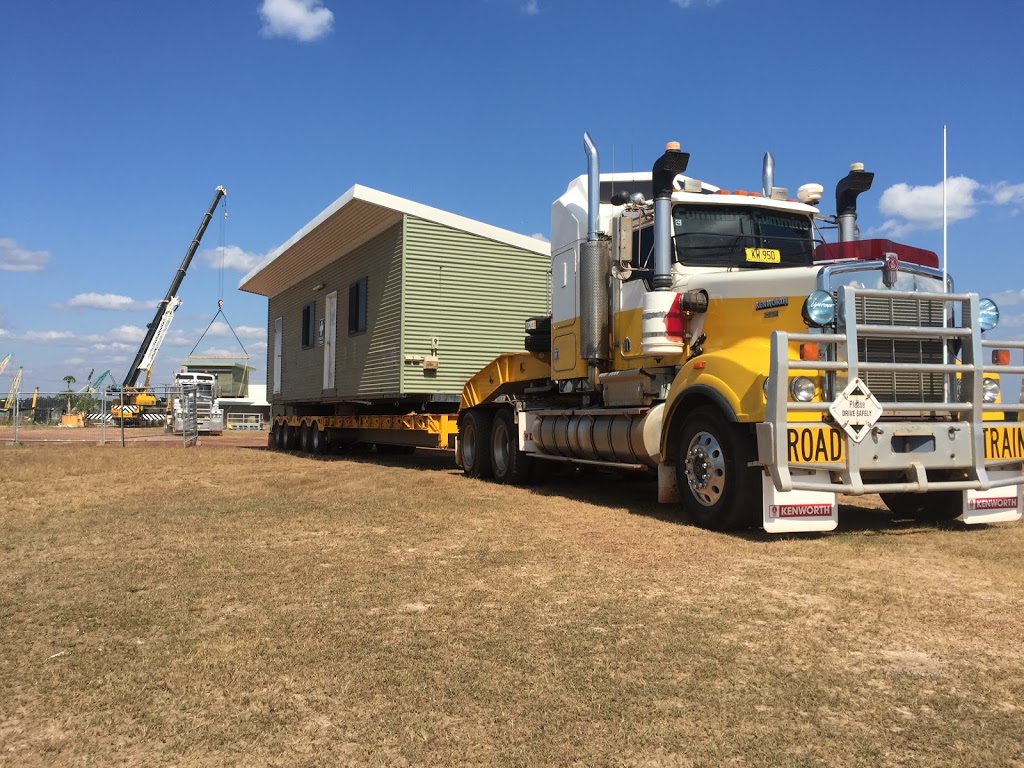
point(69, 380)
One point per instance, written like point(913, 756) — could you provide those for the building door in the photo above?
point(331, 318)
point(278, 338)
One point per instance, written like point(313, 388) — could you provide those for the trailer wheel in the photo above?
point(474, 437)
point(932, 506)
point(306, 438)
point(321, 441)
point(717, 487)
point(278, 433)
point(289, 437)
point(508, 463)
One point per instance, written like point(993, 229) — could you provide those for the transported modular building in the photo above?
point(383, 305)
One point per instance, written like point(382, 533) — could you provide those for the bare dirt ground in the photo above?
point(238, 606)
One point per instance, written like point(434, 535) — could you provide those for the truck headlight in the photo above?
point(988, 314)
point(819, 309)
point(990, 390)
point(802, 389)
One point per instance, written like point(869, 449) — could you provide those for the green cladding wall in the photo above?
point(471, 293)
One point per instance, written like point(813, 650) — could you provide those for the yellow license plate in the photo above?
point(764, 255)
point(815, 445)
point(1004, 442)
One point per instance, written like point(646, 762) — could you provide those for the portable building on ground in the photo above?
point(381, 302)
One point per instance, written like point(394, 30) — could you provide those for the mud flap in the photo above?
point(996, 505)
point(797, 511)
point(668, 490)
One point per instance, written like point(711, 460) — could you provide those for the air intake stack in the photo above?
point(856, 181)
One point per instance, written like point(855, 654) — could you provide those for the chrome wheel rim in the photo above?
point(705, 468)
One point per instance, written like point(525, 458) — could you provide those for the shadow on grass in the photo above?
point(637, 494)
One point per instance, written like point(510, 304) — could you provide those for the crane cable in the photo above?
point(220, 297)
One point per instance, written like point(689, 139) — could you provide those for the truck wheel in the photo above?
point(278, 432)
point(272, 440)
point(289, 437)
point(474, 437)
point(321, 441)
point(718, 490)
point(508, 463)
point(932, 506)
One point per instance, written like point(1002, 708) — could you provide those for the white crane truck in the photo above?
point(712, 337)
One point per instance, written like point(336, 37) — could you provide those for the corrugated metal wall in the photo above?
point(473, 294)
point(368, 363)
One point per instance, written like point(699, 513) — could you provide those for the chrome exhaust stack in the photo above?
point(767, 174)
point(594, 259)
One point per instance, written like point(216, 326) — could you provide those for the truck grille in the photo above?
point(894, 386)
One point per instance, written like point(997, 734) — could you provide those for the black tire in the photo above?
point(719, 491)
point(306, 438)
point(474, 440)
point(508, 463)
point(272, 440)
point(289, 437)
point(932, 506)
point(321, 441)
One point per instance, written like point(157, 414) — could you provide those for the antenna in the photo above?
point(944, 219)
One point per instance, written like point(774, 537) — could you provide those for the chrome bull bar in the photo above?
point(956, 441)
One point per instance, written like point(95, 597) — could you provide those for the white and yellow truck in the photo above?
point(712, 337)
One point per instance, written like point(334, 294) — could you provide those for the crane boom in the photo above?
point(15, 385)
point(5, 361)
point(150, 344)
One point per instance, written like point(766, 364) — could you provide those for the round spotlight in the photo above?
point(819, 309)
point(988, 314)
point(989, 390)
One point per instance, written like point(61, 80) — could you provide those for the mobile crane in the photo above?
point(131, 406)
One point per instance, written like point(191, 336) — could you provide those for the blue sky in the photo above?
point(120, 119)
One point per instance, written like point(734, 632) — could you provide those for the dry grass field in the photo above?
point(161, 606)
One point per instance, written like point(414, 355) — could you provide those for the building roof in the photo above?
point(354, 218)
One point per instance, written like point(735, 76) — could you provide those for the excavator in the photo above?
point(136, 398)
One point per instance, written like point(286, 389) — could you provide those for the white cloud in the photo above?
point(1009, 298)
point(216, 352)
point(4, 332)
point(16, 258)
point(110, 301)
point(113, 346)
point(530, 8)
point(234, 258)
point(907, 207)
point(221, 330)
point(691, 3)
point(303, 20)
point(1004, 193)
point(45, 337)
point(126, 334)
point(539, 236)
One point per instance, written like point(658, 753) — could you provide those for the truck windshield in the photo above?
point(726, 236)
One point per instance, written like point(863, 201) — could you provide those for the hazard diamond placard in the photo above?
point(856, 410)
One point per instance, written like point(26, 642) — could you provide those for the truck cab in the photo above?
point(209, 416)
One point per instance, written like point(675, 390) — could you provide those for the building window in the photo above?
point(309, 325)
point(357, 307)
